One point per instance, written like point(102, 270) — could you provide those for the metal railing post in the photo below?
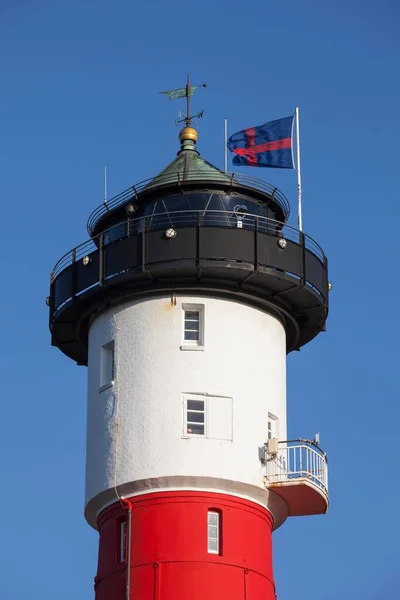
point(74, 273)
point(303, 258)
point(101, 259)
point(256, 228)
point(198, 228)
point(51, 299)
point(144, 240)
point(326, 291)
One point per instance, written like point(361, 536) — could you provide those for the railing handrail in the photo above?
point(182, 178)
point(310, 461)
point(302, 442)
point(285, 230)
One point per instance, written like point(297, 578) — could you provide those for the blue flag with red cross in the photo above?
point(268, 145)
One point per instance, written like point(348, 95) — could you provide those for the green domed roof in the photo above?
point(188, 166)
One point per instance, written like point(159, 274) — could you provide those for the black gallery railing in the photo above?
point(290, 250)
point(180, 179)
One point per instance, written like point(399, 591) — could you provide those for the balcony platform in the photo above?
point(298, 473)
point(208, 254)
point(302, 497)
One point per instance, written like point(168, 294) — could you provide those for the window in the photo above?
point(213, 532)
point(195, 417)
point(273, 431)
point(193, 326)
point(208, 416)
point(122, 541)
point(107, 365)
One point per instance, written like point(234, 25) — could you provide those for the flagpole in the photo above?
point(299, 190)
point(226, 145)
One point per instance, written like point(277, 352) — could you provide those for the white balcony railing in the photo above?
point(295, 460)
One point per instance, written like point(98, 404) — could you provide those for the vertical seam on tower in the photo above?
point(155, 569)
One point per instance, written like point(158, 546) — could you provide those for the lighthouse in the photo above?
point(183, 304)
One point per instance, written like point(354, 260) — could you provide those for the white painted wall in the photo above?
point(135, 428)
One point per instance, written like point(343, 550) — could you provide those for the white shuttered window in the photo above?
point(213, 526)
point(207, 416)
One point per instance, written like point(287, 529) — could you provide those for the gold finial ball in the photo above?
point(188, 133)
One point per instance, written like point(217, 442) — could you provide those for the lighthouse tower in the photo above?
point(183, 305)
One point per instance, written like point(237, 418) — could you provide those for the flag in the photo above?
point(180, 92)
point(268, 145)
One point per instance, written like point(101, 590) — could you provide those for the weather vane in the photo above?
point(185, 92)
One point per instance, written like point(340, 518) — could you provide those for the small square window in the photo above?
point(213, 532)
point(193, 326)
point(107, 365)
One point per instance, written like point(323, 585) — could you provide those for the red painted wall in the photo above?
point(169, 558)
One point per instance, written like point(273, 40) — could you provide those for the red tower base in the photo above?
point(165, 554)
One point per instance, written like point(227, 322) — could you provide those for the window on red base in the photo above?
point(213, 532)
point(123, 535)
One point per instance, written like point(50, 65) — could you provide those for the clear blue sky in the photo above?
point(79, 89)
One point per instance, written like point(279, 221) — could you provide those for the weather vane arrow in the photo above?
point(185, 92)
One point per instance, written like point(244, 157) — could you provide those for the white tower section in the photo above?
point(165, 412)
